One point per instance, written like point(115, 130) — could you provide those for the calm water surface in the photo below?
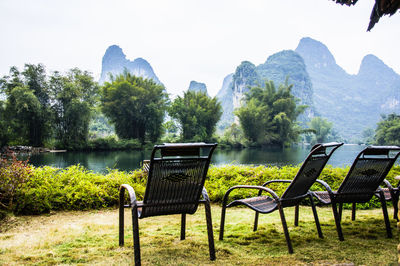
point(130, 160)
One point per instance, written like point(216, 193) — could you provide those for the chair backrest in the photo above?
point(367, 172)
point(309, 172)
point(176, 177)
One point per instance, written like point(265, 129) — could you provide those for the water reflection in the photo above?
point(130, 160)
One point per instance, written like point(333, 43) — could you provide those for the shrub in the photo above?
point(14, 174)
point(38, 190)
point(74, 188)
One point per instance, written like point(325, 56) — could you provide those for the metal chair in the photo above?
point(295, 193)
point(361, 183)
point(176, 176)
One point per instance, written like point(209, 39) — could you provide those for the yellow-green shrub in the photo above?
point(75, 188)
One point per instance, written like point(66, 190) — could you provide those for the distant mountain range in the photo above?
point(351, 102)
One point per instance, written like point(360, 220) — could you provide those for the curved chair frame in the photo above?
point(173, 186)
point(295, 193)
point(361, 183)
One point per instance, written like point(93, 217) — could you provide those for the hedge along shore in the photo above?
point(48, 189)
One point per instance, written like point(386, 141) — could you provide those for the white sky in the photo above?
point(184, 40)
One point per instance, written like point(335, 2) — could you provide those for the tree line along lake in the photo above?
point(130, 160)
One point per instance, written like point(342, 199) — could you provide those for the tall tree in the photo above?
point(135, 106)
point(268, 116)
point(4, 126)
point(388, 130)
point(73, 98)
point(197, 115)
point(27, 105)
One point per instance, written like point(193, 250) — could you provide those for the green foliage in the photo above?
point(388, 130)
point(73, 97)
point(27, 109)
point(99, 126)
point(113, 143)
point(5, 131)
point(321, 127)
point(73, 188)
point(232, 136)
point(269, 115)
point(39, 108)
point(14, 174)
point(135, 106)
point(29, 190)
point(171, 132)
point(368, 135)
point(197, 115)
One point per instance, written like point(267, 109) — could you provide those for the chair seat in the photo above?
point(323, 196)
point(263, 204)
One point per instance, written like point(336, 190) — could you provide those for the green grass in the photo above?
point(91, 237)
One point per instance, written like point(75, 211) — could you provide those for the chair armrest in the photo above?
point(278, 181)
point(323, 183)
point(397, 178)
point(205, 195)
point(131, 192)
point(387, 184)
point(270, 191)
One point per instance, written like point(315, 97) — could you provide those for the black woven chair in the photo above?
point(296, 192)
point(390, 193)
point(361, 183)
point(174, 186)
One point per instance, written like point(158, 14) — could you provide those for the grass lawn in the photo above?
point(91, 237)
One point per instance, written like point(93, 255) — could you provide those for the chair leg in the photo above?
point(210, 233)
point(136, 243)
point(183, 226)
point(340, 211)
point(337, 221)
point(353, 211)
point(316, 217)
point(296, 215)
point(395, 201)
point(121, 219)
point(222, 224)
point(255, 222)
point(285, 229)
point(386, 216)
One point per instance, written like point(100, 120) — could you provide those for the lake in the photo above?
point(130, 160)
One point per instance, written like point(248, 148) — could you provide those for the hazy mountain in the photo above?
point(290, 65)
point(114, 62)
point(225, 96)
point(197, 87)
point(351, 102)
point(278, 67)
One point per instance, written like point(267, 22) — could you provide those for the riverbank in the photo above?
point(91, 237)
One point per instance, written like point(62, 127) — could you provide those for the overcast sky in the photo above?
point(184, 40)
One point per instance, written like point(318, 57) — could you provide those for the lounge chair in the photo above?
point(295, 193)
point(174, 186)
point(361, 183)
